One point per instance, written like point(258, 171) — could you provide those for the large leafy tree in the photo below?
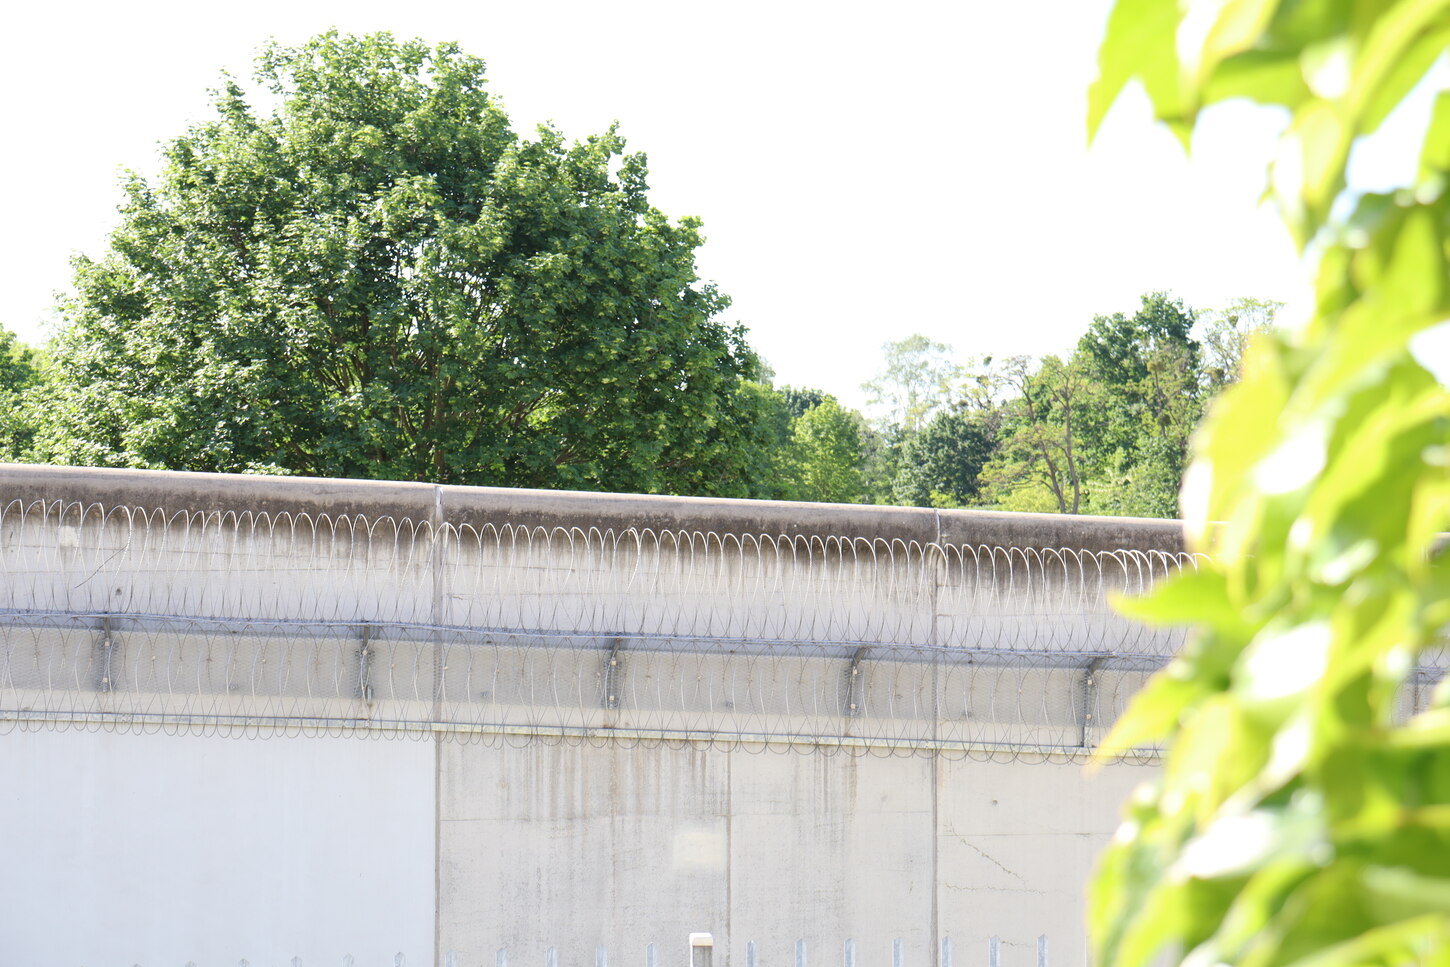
point(379, 278)
point(1148, 369)
point(828, 450)
point(941, 465)
point(1227, 334)
point(1041, 444)
point(918, 378)
point(20, 372)
point(1303, 812)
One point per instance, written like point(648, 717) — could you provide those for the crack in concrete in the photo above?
point(994, 889)
point(993, 860)
point(951, 831)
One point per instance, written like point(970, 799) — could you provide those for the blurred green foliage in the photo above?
point(1303, 815)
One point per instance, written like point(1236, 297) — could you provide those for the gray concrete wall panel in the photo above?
point(641, 717)
point(156, 849)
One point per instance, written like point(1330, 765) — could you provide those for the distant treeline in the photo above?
point(1104, 431)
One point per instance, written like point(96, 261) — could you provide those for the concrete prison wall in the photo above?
point(614, 720)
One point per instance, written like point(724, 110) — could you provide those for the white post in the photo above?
point(702, 949)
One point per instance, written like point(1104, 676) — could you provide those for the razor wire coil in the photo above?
point(257, 624)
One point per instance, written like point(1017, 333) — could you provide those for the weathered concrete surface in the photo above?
point(158, 849)
point(581, 846)
point(1016, 844)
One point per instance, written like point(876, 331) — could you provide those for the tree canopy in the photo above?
point(20, 373)
point(941, 465)
point(380, 278)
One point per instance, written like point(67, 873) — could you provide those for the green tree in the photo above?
point(798, 400)
point(918, 379)
point(1147, 487)
point(941, 465)
point(880, 463)
point(1227, 334)
point(1147, 366)
point(379, 278)
point(827, 442)
point(21, 370)
point(1302, 815)
point(1041, 445)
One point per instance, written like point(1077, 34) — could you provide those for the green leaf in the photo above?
point(1136, 27)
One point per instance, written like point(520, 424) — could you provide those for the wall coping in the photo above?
point(176, 491)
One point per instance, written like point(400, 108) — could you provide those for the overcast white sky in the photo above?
point(864, 172)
